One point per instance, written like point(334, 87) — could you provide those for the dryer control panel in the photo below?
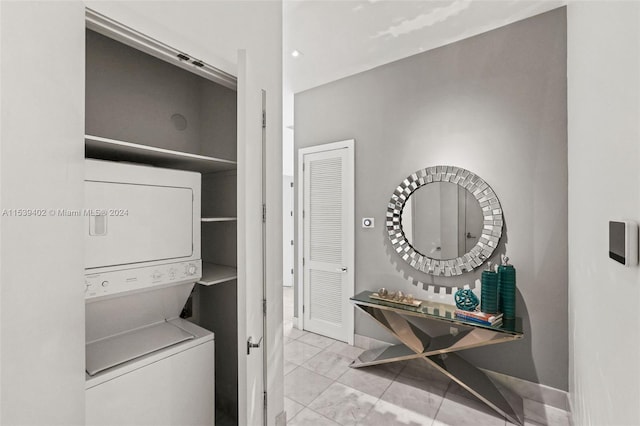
point(129, 280)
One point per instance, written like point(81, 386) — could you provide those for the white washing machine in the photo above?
point(144, 364)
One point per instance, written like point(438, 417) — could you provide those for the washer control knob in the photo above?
point(191, 269)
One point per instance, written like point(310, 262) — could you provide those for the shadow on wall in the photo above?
point(436, 284)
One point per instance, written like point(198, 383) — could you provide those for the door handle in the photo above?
point(251, 345)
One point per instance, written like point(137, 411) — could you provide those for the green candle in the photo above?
point(489, 292)
point(507, 286)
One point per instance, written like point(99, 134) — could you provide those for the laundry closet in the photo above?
point(176, 113)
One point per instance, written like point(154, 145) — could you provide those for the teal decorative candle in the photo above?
point(507, 288)
point(489, 291)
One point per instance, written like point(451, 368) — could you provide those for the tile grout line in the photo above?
point(322, 415)
point(296, 401)
point(392, 381)
point(294, 416)
point(359, 422)
point(369, 411)
point(325, 351)
point(313, 356)
point(379, 398)
point(444, 396)
point(311, 344)
point(335, 381)
point(452, 383)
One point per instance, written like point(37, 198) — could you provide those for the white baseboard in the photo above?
point(295, 323)
point(534, 391)
point(570, 409)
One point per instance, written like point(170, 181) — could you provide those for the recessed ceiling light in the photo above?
point(296, 53)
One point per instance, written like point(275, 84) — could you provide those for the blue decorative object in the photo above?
point(490, 291)
point(507, 281)
point(466, 300)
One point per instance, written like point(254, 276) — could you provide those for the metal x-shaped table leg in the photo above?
point(438, 352)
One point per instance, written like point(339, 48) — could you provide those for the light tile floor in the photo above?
point(321, 389)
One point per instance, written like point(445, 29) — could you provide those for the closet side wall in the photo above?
point(41, 256)
point(604, 106)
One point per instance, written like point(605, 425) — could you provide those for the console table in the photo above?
point(438, 351)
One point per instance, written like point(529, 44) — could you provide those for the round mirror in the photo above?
point(444, 220)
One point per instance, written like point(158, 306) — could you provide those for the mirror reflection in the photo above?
point(455, 225)
point(442, 220)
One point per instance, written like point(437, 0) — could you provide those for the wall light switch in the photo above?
point(368, 222)
point(623, 242)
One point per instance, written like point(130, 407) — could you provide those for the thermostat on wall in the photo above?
point(623, 242)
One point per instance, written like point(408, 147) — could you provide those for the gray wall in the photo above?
point(494, 104)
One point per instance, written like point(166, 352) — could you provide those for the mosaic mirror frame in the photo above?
point(491, 212)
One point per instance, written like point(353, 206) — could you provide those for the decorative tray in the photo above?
point(415, 303)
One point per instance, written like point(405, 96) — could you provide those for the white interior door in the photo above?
point(328, 223)
point(250, 249)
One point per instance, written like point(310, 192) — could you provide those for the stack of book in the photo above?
point(493, 320)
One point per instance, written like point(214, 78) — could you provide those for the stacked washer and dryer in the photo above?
point(144, 364)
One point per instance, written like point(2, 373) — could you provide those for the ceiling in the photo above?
point(340, 38)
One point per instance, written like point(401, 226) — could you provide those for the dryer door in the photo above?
point(133, 223)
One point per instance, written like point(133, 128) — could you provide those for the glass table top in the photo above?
point(436, 311)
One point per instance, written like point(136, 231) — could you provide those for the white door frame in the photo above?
point(288, 249)
point(349, 144)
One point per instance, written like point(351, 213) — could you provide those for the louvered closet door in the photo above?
point(328, 243)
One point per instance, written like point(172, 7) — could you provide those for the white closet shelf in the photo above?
point(219, 219)
point(216, 274)
point(115, 150)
